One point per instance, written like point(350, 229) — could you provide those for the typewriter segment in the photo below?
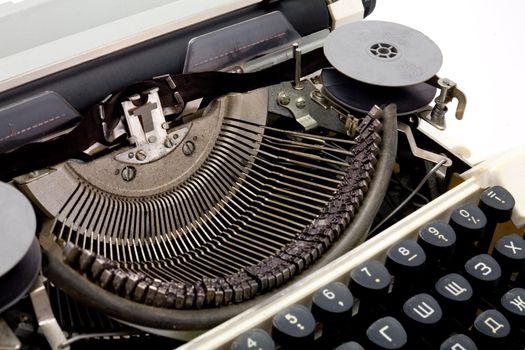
point(235, 207)
point(178, 203)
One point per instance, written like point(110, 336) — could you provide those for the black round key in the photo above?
point(370, 280)
point(405, 258)
point(254, 339)
point(491, 327)
point(438, 240)
point(422, 309)
point(406, 262)
point(483, 272)
point(294, 327)
point(513, 303)
point(458, 342)
point(387, 333)
point(332, 303)
point(509, 251)
point(454, 287)
point(468, 221)
point(455, 294)
point(497, 203)
point(351, 345)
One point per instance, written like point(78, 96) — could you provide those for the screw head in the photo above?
point(152, 139)
point(131, 155)
point(175, 136)
point(188, 148)
point(283, 98)
point(168, 143)
point(140, 155)
point(128, 173)
point(300, 102)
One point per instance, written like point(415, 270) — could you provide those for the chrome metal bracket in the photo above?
point(179, 102)
point(448, 91)
point(46, 318)
point(304, 107)
point(148, 130)
point(296, 102)
point(419, 152)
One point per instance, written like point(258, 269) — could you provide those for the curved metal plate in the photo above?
point(383, 53)
point(361, 97)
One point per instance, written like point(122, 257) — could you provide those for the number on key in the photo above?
point(497, 204)
point(484, 272)
point(438, 240)
point(469, 222)
point(255, 339)
point(333, 303)
point(294, 327)
point(406, 258)
point(370, 281)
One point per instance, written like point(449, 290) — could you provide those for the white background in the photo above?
point(483, 45)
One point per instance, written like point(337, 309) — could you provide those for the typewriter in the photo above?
point(219, 179)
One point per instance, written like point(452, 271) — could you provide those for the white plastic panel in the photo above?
point(346, 11)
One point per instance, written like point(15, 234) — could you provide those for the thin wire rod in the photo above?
point(289, 132)
point(414, 192)
point(305, 155)
point(297, 144)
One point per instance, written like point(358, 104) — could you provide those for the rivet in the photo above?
point(188, 148)
point(140, 155)
point(128, 173)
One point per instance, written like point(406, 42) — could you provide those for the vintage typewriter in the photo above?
point(214, 168)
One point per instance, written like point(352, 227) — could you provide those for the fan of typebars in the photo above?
point(225, 205)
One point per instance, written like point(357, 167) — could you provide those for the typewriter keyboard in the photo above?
point(450, 276)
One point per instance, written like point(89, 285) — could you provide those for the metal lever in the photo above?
point(419, 152)
point(448, 91)
point(45, 316)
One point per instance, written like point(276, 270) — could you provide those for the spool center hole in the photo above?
point(384, 50)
